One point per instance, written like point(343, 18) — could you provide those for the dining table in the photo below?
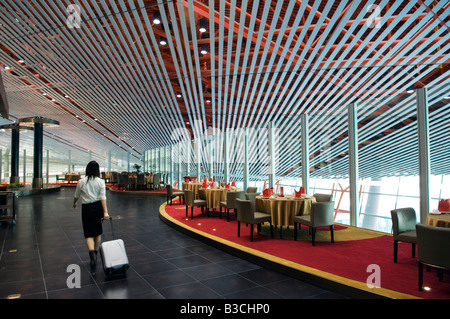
point(282, 209)
point(215, 195)
point(438, 219)
point(194, 187)
point(72, 177)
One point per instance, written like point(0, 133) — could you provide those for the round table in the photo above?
point(216, 195)
point(283, 209)
point(440, 220)
point(194, 187)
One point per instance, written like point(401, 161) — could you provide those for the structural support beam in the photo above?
point(15, 133)
point(353, 162)
point(424, 152)
point(211, 158)
point(226, 160)
point(305, 151)
point(246, 164)
point(271, 150)
point(198, 157)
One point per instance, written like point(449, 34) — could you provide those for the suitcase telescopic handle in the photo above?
point(112, 228)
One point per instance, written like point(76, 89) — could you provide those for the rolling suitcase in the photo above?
point(114, 256)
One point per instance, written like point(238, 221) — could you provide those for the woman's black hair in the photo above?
point(92, 170)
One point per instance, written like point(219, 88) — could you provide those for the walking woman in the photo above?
point(91, 189)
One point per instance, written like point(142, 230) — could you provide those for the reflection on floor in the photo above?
point(165, 263)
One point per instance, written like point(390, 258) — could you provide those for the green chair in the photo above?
point(323, 197)
point(230, 203)
point(433, 249)
point(322, 214)
point(191, 202)
point(246, 214)
point(404, 228)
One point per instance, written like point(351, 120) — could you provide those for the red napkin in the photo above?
point(211, 184)
point(302, 190)
point(266, 192)
point(205, 184)
point(233, 184)
point(444, 205)
point(187, 180)
point(298, 194)
point(227, 185)
point(281, 191)
point(194, 179)
point(211, 179)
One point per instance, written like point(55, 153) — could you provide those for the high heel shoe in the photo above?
point(93, 263)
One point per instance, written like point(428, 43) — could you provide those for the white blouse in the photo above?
point(90, 191)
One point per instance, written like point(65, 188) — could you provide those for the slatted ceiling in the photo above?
point(267, 61)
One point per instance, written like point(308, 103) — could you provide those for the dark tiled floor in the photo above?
point(165, 263)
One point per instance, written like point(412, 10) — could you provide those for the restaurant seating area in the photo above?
point(289, 249)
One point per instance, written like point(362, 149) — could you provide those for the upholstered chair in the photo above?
point(433, 249)
point(191, 202)
point(323, 197)
point(404, 228)
point(230, 203)
point(247, 215)
point(322, 214)
point(171, 194)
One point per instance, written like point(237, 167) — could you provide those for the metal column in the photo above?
point(246, 164)
point(226, 160)
point(353, 162)
point(38, 148)
point(424, 152)
point(305, 151)
point(271, 150)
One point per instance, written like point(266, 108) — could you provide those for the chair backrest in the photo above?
point(403, 219)
point(156, 178)
point(140, 179)
point(245, 212)
point(114, 177)
point(201, 193)
point(232, 196)
point(251, 189)
point(120, 179)
point(322, 214)
point(125, 178)
point(188, 197)
point(323, 197)
point(433, 245)
point(169, 190)
point(251, 197)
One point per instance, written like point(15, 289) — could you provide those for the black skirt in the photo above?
point(91, 217)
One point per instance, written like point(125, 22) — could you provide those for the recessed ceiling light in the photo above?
point(7, 67)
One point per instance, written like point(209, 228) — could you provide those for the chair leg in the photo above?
point(228, 214)
point(395, 250)
point(413, 250)
point(295, 230)
point(420, 276)
point(313, 233)
point(192, 212)
point(186, 211)
point(220, 212)
point(332, 233)
point(239, 228)
point(271, 230)
point(251, 232)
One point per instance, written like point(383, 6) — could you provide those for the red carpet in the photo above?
point(344, 261)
